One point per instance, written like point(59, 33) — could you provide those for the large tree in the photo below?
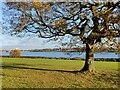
point(90, 21)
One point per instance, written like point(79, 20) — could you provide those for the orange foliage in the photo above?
point(40, 5)
point(37, 5)
point(20, 28)
point(15, 53)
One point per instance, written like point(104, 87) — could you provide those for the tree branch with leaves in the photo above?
point(90, 21)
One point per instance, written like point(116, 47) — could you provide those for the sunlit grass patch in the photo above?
point(52, 73)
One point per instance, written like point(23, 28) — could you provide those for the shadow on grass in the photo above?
point(21, 67)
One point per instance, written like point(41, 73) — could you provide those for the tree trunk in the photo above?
point(89, 63)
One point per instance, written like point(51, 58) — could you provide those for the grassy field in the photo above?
point(51, 73)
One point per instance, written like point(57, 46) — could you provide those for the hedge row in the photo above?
point(96, 59)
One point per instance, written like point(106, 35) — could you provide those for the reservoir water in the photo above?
point(65, 54)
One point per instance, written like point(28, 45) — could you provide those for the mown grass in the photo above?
point(52, 73)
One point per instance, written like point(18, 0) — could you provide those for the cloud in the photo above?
point(12, 42)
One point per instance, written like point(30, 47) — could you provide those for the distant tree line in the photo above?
point(80, 49)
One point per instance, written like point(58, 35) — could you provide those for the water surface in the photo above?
point(66, 54)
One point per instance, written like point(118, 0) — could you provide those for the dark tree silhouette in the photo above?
point(90, 21)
